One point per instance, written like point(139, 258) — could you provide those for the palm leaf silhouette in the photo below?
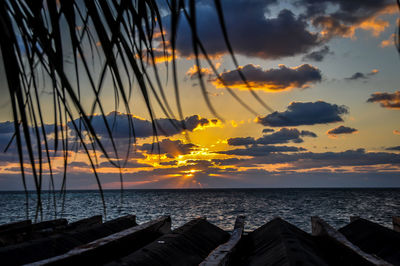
point(100, 39)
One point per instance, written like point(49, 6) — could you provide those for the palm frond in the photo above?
point(102, 41)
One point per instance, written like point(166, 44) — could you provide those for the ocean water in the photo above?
point(219, 206)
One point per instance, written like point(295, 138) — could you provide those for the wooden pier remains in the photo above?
point(123, 242)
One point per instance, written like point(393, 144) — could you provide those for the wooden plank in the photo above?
point(51, 224)
point(222, 254)
point(280, 243)
point(321, 228)
point(16, 232)
point(14, 225)
point(112, 246)
point(396, 223)
point(189, 244)
point(61, 242)
point(83, 223)
point(25, 230)
point(374, 238)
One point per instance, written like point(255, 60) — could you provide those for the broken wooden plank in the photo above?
point(321, 228)
point(113, 246)
point(222, 254)
point(396, 223)
point(187, 245)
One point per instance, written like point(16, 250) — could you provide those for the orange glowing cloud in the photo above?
point(374, 24)
point(159, 55)
point(194, 71)
point(388, 42)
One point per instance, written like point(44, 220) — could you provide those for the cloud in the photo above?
point(395, 148)
point(318, 55)
point(346, 158)
point(120, 125)
point(172, 148)
point(386, 99)
point(341, 130)
point(160, 56)
point(342, 18)
point(241, 141)
point(299, 161)
point(251, 32)
point(388, 42)
point(305, 113)
point(267, 130)
point(261, 150)
point(359, 75)
point(285, 135)
point(282, 78)
point(6, 127)
point(194, 71)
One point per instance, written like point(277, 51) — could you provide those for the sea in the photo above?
point(218, 206)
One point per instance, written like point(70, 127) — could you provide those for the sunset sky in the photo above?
point(328, 69)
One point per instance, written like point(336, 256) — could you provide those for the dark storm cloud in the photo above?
point(386, 99)
point(250, 31)
point(274, 79)
point(318, 55)
point(359, 75)
point(172, 148)
point(341, 130)
point(305, 113)
point(395, 148)
point(119, 123)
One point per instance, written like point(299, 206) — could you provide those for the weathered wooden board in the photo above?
point(280, 243)
point(323, 229)
point(84, 223)
point(375, 239)
point(113, 246)
point(187, 245)
point(61, 242)
point(221, 256)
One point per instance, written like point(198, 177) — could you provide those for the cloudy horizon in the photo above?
point(328, 70)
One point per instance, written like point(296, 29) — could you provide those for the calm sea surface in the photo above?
point(220, 206)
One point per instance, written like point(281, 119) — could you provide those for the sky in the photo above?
point(328, 71)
